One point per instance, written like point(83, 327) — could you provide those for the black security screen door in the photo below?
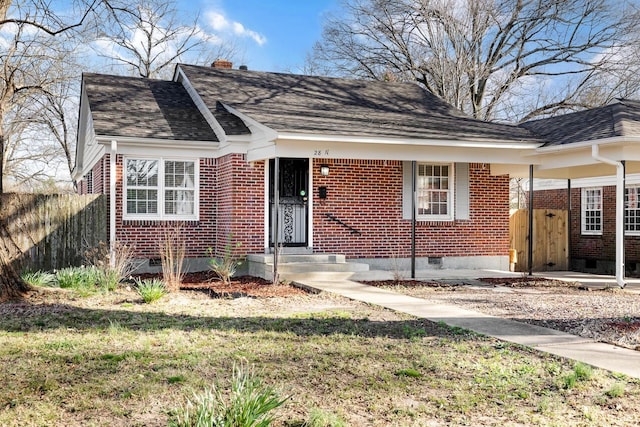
point(294, 196)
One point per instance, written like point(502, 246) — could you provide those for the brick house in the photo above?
point(602, 198)
point(352, 166)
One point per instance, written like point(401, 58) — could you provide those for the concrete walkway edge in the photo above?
point(601, 355)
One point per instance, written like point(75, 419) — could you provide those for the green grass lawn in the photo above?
point(112, 360)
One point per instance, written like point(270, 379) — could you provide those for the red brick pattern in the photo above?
point(365, 194)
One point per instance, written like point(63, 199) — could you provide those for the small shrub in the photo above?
point(113, 267)
point(227, 266)
point(249, 404)
point(151, 290)
point(320, 418)
point(38, 278)
point(172, 249)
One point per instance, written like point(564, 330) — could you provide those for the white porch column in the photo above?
point(620, 178)
point(112, 201)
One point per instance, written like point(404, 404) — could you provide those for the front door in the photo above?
point(294, 195)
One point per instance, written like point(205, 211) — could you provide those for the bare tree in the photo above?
point(26, 57)
point(480, 55)
point(151, 38)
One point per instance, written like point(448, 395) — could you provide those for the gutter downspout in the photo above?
point(620, 178)
point(112, 201)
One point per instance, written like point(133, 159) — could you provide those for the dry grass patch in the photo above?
point(112, 360)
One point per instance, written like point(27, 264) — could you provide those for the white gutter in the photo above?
point(595, 153)
point(112, 201)
point(469, 143)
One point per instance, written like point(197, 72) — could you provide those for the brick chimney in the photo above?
point(222, 63)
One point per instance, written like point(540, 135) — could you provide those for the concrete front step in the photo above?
point(292, 267)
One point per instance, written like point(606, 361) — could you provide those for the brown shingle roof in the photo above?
point(321, 105)
point(618, 119)
point(144, 108)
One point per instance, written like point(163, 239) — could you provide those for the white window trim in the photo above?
point(630, 232)
point(583, 203)
point(161, 216)
point(450, 216)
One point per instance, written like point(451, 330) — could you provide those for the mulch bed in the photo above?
point(244, 286)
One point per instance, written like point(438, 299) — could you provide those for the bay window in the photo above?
point(160, 189)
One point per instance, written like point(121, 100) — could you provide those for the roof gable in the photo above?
point(291, 103)
point(144, 108)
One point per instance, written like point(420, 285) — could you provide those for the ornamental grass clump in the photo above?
point(172, 248)
point(151, 290)
point(249, 404)
point(38, 278)
point(114, 263)
point(83, 280)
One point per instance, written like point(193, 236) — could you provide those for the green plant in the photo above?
point(151, 290)
point(320, 418)
point(38, 278)
point(616, 390)
point(249, 404)
point(408, 372)
point(581, 372)
point(81, 279)
point(172, 249)
point(226, 266)
point(113, 262)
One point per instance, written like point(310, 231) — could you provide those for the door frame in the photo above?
point(267, 204)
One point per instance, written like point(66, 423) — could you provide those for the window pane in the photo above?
point(179, 202)
point(142, 173)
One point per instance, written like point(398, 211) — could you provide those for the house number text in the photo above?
point(317, 153)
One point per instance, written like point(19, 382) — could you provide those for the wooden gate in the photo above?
point(550, 239)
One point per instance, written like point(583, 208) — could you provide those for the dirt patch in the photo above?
point(208, 283)
point(607, 315)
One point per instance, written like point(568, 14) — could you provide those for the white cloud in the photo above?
point(221, 23)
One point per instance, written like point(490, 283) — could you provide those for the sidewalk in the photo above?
point(602, 355)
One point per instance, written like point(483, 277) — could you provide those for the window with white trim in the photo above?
point(591, 208)
point(89, 178)
point(632, 210)
point(160, 189)
point(435, 191)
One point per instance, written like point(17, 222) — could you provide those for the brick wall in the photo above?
point(239, 198)
point(367, 195)
point(586, 247)
point(231, 214)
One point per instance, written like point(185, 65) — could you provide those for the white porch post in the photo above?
point(112, 202)
point(620, 178)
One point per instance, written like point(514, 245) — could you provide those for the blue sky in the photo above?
point(273, 35)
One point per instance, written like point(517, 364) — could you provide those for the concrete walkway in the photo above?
point(602, 355)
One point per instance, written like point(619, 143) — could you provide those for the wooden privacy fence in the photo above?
point(54, 230)
point(550, 239)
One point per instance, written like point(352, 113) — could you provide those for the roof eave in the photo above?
point(589, 143)
point(467, 143)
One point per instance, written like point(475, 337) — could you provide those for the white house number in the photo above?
point(317, 153)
